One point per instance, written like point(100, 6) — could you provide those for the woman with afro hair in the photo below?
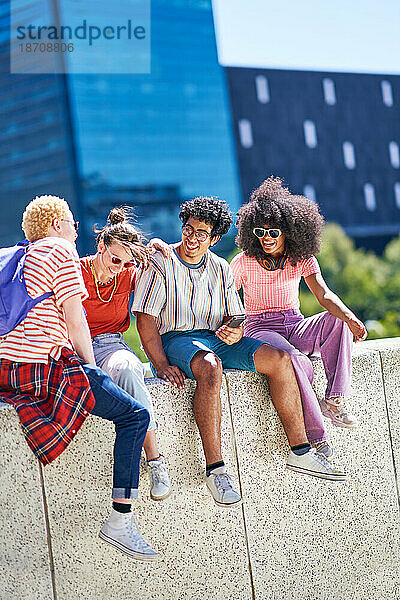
point(279, 234)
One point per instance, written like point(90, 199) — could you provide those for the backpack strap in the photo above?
point(25, 244)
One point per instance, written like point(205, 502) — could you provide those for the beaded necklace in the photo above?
point(97, 285)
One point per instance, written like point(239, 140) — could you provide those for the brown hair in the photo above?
point(119, 228)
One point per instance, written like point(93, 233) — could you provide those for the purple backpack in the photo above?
point(15, 302)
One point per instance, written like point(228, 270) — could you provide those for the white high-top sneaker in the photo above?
point(160, 482)
point(121, 530)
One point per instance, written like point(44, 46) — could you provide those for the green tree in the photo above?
point(132, 338)
point(368, 284)
point(392, 258)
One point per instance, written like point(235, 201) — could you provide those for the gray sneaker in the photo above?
point(220, 485)
point(121, 530)
point(324, 448)
point(160, 482)
point(313, 463)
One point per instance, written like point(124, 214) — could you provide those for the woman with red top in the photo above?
point(279, 234)
point(109, 278)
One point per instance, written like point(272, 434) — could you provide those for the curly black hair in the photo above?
point(211, 210)
point(272, 205)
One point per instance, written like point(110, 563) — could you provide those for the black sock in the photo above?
point(213, 466)
point(301, 449)
point(121, 507)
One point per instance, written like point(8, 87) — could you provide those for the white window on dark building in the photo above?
point(394, 155)
point(387, 94)
point(349, 155)
point(310, 134)
point(309, 192)
point(262, 89)
point(369, 196)
point(397, 194)
point(328, 86)
point(245, 133)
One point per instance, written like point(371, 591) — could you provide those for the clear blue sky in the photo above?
point(324, 35)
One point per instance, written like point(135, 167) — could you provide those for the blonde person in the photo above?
point(109, 277)
point(48, 372)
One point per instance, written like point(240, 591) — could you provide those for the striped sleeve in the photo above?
point(150, 294)
point(67, 280)
point(234, 305)
point(53, 265)
point(310, 266)
point(237, 269)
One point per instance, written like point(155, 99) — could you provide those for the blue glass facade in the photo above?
point(150, 141)
point(169, 128)
point(36, 151)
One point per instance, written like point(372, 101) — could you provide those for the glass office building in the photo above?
point(36, 149)
point(150, 141)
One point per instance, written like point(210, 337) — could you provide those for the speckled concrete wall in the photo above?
point(24, 558)
point(294, 536)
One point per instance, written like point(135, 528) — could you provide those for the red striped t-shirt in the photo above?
point(52, 264)
point(264, 290)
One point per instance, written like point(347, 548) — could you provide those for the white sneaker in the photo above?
point(121, 530)
point(324, 448)
point(220, 485)
point(313, 463)
point(160, 483)
point(336, 410)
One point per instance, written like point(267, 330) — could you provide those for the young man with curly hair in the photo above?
point(48, 372)
point(279, 234)
point(182, 304)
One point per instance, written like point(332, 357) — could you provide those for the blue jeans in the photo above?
point(116, 358)
point(131, 421)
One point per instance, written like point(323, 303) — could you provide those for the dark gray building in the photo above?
point(334, 137)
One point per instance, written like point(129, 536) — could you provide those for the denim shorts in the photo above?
point(181, 346)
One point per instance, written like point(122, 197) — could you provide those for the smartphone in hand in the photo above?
point(235, 321)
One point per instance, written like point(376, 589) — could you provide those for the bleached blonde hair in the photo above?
point(40, 214)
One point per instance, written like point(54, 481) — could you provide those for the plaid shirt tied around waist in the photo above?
point(52, 401)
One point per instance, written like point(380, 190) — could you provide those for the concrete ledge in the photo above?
point(25, 571)
point(294, 537)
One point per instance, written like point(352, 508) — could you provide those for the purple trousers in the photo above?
point(320, 336)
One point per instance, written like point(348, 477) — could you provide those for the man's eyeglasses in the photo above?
point(75, 224)
point(117, 261)
point(260, 232)
point(201, 236)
